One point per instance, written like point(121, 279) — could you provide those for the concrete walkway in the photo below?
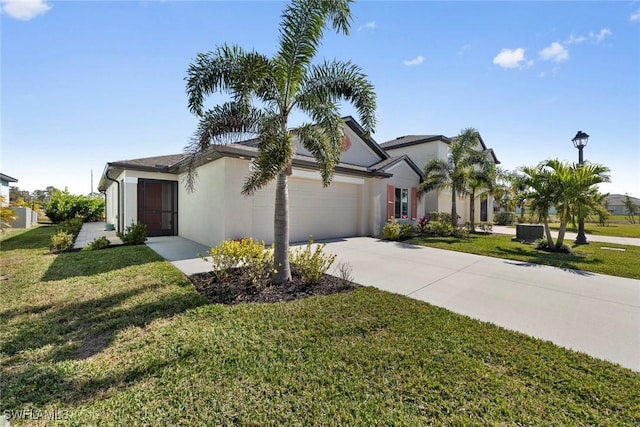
point(592, 313)
point(570, 237)
point(93, 230)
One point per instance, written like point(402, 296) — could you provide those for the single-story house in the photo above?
point(616, 204)
point(5, 180)
point(423, 148)
point(370, 185)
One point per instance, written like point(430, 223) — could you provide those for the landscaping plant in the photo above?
point(98, 243)
point(134, 234)
point(311, 263)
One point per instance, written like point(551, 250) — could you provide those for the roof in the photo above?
point(7, 178)
point(386, 164)
point(160, 163)
point(408, 140)
point(618, 200)
point(404, 141)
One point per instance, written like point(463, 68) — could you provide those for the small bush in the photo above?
point(434, 216)
point(439, 229)
point(486, 227)
point(543, 245)
point(98, 243)
point(242, 253)
point(445, 217)
point(421, 226)
point(61, 241)
point(406, 230)
point(391, 230)
point(71, 226)
point(344, 271)
point(311, 263)
point(460, 232)
point(134, 234)
point(504, 218)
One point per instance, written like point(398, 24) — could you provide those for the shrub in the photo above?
point(543, 245)
point(439, 229)
point(434, 216)
point(311, 263)
point(64, 206)
point(344, 271)
point(445, 217)
point(71, 226)
point(243, 253)
point(391, 230)
point(61, 241)
point(504, 218)
point(406, 230)
point(421, 226)
point(486, 227)
point(98, 243)
point(460, 232)
point(134, 234)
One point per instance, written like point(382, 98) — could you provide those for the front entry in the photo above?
point(483, 210)
point(158, 206)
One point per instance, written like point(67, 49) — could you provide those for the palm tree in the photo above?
point(264, 91)
point(481, 177)
point(453, 173)
point(567, 187)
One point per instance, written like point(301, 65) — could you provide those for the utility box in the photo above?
point(528, 232)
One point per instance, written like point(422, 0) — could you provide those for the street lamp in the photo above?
point(580, 141)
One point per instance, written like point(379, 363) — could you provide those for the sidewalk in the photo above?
point(570, 237)
point(93, 230)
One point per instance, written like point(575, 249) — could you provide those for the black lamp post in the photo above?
point(580, 141)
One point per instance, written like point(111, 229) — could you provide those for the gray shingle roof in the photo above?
point(403, 141)
point(157, 162)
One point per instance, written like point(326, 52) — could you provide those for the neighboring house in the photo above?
point(615, 204)
point(369, 186)
point(5, 180)
point(423, 148)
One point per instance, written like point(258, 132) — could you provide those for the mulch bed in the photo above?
point(238, 288)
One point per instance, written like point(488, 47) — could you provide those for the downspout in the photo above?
point(106, 175)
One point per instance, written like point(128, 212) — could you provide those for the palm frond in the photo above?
point(228, 69)
point(332, 81)
point(324, 141)
point(437, 176)
point(301, 30)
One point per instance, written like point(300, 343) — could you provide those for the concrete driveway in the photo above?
point(592, 313)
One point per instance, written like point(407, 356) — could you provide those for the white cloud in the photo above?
point(554, 52)
point(605, 32)
point(24, 10)
point(574, 39)
point(417, 61)
point(512, 58)
point(368, 26)
point(635, 16)
point(464, 49)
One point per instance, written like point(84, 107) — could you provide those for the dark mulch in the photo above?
point(238, 288)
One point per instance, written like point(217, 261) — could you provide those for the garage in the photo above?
point(324, 213)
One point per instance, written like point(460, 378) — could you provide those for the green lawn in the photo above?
point(617, 229)
point(590, 257)
point(119, 337)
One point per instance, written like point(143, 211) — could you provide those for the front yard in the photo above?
point(119, 337)
point(597, 257)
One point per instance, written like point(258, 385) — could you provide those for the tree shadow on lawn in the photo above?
point(34, 238)
point(571, 262)
point(89, 263)
point(77, 331)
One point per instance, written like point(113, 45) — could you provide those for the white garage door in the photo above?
point(324, 213)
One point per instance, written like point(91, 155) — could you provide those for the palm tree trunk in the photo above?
point(561, 231)
point(472, 210)
point(282, 273)
point(547, 231)
point(454, 211)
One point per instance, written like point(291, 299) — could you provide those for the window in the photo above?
point(401, 203)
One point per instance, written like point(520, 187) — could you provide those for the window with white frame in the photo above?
point(402, 203)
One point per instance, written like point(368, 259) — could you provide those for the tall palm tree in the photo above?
point(264, 91)
point(452, 174)
point(538, 188)
point(481, 180)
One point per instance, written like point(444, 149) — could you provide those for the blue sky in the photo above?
point(87, 82)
